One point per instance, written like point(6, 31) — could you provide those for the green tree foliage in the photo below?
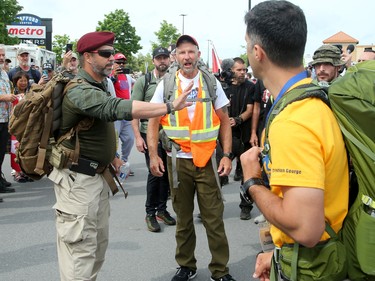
point(167, 34)
point(59, 44)
point(127, 41)
point(8, 11)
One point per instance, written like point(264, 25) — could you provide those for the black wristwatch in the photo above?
point(229, 155)
point(244, 188)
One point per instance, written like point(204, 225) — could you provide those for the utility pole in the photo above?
point(183, 22)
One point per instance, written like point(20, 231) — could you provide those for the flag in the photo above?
point(216, 65)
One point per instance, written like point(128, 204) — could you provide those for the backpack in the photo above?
point(35, 121)
point(169, 81)
point(352, 99)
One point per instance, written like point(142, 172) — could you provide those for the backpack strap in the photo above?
point(297, 94)
point(147, 83)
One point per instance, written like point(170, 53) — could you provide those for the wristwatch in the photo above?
point(229, 155)
point(244, 188)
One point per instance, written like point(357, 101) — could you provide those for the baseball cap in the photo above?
point(327, 54)
point(186, 38)
point(22, 51)
point(120, 56)
point(160, 51)
point(47, 66)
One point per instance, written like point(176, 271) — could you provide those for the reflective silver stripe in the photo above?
point(205, 135)
point(177, 134)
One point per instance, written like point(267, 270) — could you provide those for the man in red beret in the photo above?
point(82, 187)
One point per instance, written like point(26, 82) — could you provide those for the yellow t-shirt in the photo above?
point(307, 149)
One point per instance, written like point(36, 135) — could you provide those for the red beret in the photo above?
point(94, 40)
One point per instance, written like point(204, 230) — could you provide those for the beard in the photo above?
point(161, 68)
point(189, 70)
point(102, 71)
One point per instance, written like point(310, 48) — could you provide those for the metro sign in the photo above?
point(30, 32)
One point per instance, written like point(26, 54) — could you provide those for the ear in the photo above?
point(87, 57)
point(259, 52)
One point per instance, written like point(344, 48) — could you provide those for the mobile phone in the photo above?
point(45, 73)
point(126, 70)
point(69, 47)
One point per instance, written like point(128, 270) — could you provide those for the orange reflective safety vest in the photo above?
point(199, 135)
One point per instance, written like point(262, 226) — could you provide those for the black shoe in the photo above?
point(3, 181)
point(224, 180)
point(245, 213)
point(4, 189)
point(166, 217)
point(184, 274)
point(227, 277)
point(1, 200)
point(152, 223)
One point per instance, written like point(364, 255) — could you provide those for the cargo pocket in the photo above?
point(70, 223)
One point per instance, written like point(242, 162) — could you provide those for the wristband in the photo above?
point(170, 108)
point(244, 188)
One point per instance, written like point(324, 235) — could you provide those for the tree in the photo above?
point(166, 35)
point(59, 44)
point(126, 41)
point(8, 12)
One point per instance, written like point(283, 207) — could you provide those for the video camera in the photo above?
point(225, 77)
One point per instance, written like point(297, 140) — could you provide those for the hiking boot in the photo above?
point(227, 277)
point(3, 181)
point(152, 223)
point(259, 219)
point(166, 217)
point(245, 213)
point(184, 274)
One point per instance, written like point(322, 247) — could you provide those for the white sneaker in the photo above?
point(259, 219)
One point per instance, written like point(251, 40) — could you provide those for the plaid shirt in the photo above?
point(5, 89)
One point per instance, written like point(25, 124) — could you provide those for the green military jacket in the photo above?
point(93, 100)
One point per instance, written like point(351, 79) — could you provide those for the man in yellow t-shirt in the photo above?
point(309, 170)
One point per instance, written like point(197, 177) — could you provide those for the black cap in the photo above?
point(160, 51)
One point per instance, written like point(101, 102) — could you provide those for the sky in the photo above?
point(218, 21)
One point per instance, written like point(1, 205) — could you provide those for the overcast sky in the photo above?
point(220, 21)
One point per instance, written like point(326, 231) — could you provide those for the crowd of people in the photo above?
point(179, 123)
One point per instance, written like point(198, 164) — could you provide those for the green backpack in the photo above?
point(352, 100)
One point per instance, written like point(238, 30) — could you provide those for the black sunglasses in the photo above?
point(104, 53)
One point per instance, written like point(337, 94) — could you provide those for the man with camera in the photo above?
point(123, 84)
point(240, 92)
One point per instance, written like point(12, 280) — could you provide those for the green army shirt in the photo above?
point(93, 100)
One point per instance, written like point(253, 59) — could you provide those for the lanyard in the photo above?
point(295, 79)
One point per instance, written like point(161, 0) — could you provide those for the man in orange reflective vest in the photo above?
point(192, 169)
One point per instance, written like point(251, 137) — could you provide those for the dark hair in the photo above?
point(19, 75)
point(280, 28)
point(239, 60)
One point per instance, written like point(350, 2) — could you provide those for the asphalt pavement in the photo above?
point(28, 236)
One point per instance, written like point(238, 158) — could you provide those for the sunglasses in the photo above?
point(104, 53)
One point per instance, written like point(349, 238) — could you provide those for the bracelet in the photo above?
point(170, 108)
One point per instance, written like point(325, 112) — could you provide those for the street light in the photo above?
point(183, 22)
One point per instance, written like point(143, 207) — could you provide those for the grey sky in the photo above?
point(220, 21)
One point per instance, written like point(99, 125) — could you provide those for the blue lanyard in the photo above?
point(295, 79)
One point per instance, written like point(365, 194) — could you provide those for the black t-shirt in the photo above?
point(239, 97)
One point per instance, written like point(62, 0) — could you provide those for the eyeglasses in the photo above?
point(120, 62)
point(104, 53)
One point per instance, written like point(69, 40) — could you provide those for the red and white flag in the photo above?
point(216, 65)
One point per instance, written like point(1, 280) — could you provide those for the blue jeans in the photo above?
point(126, 135)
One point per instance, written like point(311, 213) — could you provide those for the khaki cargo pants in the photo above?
point(201, 181)
point(82, 213)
